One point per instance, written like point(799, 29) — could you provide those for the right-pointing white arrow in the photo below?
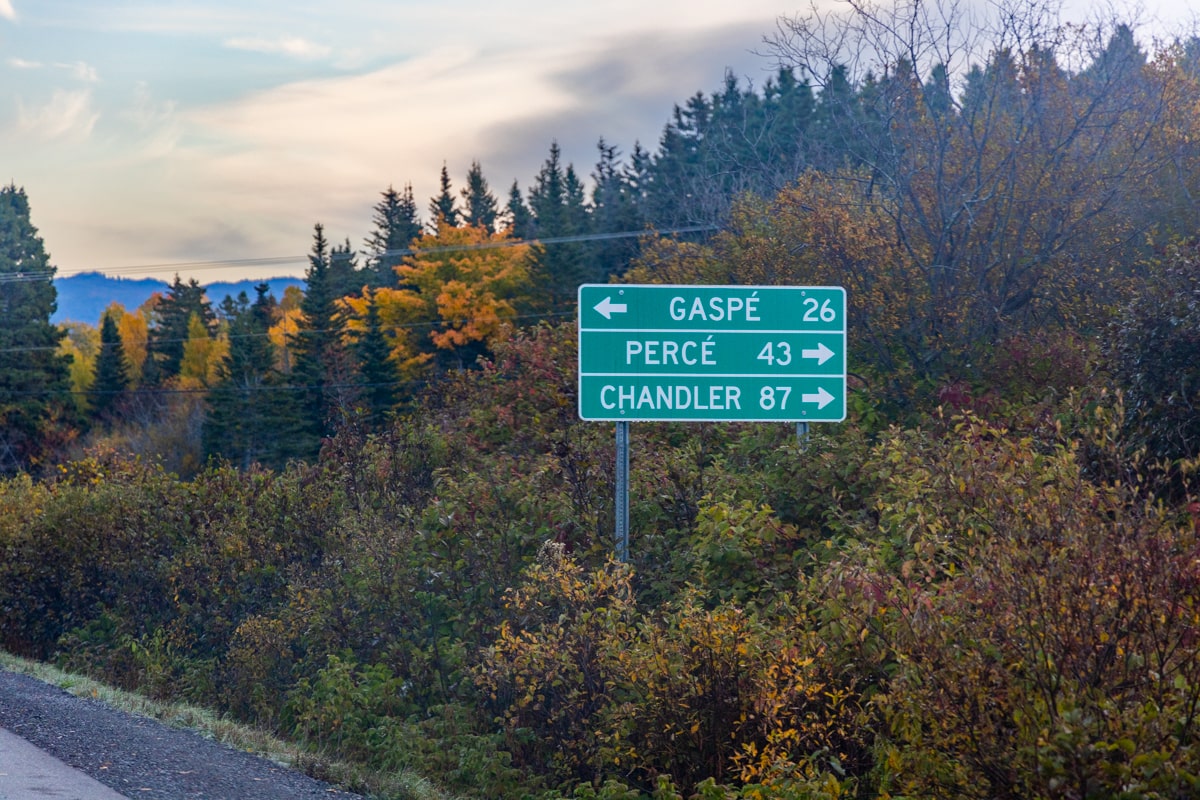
point(822, 398)
point(821, 353)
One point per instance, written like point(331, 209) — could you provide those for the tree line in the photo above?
point(962, 190)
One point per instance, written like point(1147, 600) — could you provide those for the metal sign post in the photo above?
point(622, 492)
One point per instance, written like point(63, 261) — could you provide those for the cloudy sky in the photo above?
point(157, 133)
point(151, 135)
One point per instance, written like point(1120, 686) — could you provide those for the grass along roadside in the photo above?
point(390, 786)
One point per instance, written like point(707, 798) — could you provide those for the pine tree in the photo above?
point(396, 225)
point(441, 208)
point(112, 373)
point(35, 409)
point(481, 208)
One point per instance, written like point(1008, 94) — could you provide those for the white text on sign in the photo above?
point(667, 352)
point(679, 398)
point(717, 309)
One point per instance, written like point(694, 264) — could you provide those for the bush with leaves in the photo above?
point(94, 541)
point(1154, 355)
point(1039, 629)
point(591, 688)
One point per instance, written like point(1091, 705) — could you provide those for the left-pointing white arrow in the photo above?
point(607, 308)
point(822, 398)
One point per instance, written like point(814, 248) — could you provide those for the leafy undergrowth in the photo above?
point(999, 601)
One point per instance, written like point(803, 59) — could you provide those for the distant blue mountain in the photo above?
point(83, 297)
point(217, 292)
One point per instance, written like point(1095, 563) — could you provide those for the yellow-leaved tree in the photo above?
point(458, 288)
point(284, 330)
point(201, 355)
point(134, 329)
point(81, 343)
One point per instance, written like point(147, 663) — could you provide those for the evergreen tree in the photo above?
point(316, 345)
point(396, 225)
point(736, 142)
point(35, 409)
point(614, 210)
point(441, 208)
point(345, 278)
point(520, 219)
point(170, 331)
point(783, 152)
point(677, 167)
point(252, 415)
point(577, 214)
point(837, 122)
point(112, 373)
point(481, 208)
point(558, 208)
point(639, 178)
point(377, 372)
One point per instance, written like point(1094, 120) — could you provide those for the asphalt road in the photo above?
point(58, 745)
point(27, 773)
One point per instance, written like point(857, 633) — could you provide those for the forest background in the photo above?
point(366, 515)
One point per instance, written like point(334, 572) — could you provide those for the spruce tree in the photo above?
point(396, 226)
point(377, 372)
point(481, 207)
point(252, 415)
point(556, 201)
point(614, 210)
point(520, 219)
point(169, 333)
point(345, 278)
point(316, 345)
point(35, 408)
point(441, 208)
point(112, 373)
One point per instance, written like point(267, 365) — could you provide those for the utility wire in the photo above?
point(303, 332)
point(206, 390)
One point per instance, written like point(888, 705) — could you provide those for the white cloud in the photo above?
point(81, 70)
point(321, 150)
point(156, 126)
point(293, 46)
point(7, 11)
point(406, 117)
point(68, 114)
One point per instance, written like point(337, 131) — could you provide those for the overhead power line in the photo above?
point(304, 332)
point(159, 391)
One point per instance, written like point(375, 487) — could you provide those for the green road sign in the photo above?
point(712, 353)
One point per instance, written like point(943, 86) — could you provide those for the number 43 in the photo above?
point(776, 353)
